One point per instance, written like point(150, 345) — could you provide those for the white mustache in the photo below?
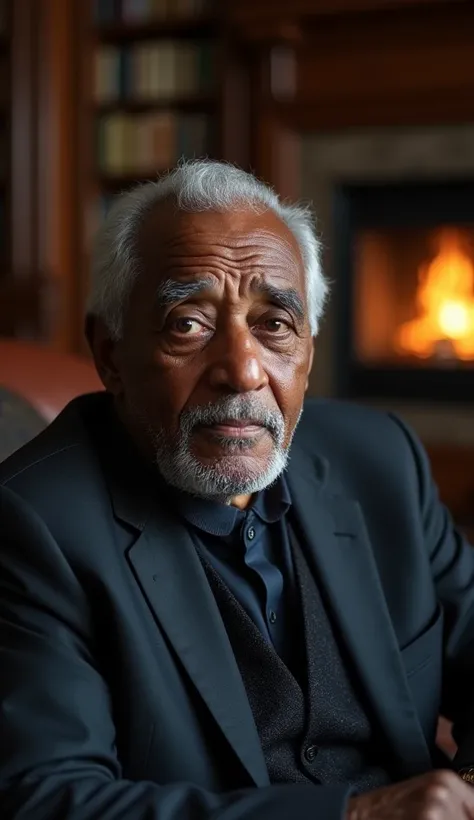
point(234, 408)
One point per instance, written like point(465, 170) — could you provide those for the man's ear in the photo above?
point(310, 364)
point(105, 353)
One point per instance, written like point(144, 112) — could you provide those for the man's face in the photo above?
point(213, 364)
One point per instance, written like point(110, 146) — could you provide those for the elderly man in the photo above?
point(203, 615)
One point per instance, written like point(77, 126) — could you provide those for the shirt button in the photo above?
point(310, 753)
point(250, 533)
point(272, 616)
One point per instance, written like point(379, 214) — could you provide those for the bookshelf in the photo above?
point(154, 89)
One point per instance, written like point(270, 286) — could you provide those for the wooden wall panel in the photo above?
point(40, 285)
point(57, 157)
point(24, 90)
point(408, 64)
point(399, 56)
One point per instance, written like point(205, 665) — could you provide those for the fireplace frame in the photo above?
point(394, 204)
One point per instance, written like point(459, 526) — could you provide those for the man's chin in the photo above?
point(243, 465)
point(239, 474)
point(225, 472)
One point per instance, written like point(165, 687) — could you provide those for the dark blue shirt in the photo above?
point(250, 550)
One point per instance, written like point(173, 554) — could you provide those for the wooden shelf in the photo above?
point(196, 104)
point(155, 29)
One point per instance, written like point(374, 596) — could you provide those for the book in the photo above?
point(155, 70)
point(107, 74)
point(145, 144)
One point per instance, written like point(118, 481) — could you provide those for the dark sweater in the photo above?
point(315, 729)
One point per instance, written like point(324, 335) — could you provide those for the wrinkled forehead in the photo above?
point(242, 241)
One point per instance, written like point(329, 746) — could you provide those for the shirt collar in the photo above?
point(215, 518)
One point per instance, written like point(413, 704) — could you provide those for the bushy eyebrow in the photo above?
point(287, 298)
point(172, 291)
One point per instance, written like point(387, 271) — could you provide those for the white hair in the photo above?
point(198, 185)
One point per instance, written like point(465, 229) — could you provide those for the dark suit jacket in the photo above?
point(120, 695)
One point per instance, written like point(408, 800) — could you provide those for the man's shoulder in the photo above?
point(325, 419)
point(357, 442)
point(340, 409)
point(58, 461)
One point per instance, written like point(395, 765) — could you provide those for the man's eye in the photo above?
point(275, 325)
point(187, 326)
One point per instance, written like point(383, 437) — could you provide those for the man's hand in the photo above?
point(440, 795)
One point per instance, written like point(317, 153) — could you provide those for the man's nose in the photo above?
point(237, 365)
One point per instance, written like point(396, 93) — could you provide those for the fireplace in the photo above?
point(404, 290)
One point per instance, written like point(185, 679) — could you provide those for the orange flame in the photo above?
point(445, 299)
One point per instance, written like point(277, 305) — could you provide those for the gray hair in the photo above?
point(198, 185)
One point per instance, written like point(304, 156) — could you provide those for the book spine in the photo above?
point(145, 144)
point(107, 80)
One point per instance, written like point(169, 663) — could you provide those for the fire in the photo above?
point(445, 301)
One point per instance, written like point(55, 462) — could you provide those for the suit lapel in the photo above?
point(334, 530)
point(174, 583)
point(177, 590)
